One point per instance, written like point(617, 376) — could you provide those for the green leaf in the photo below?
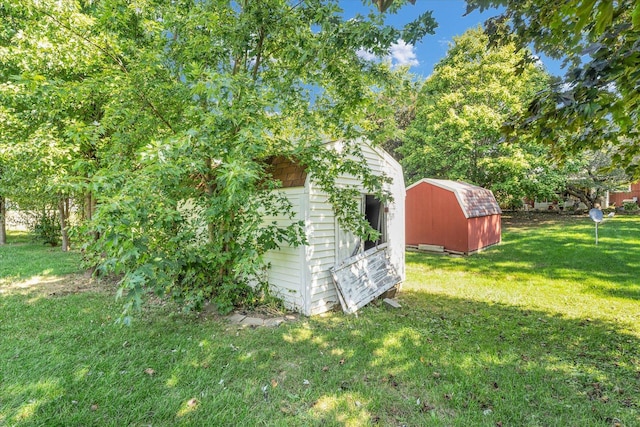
point(584, 12)
point(635, 17)
point(605, 16)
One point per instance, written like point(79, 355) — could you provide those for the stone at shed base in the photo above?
point(391, 303)
point(276, 321)
point(252, 321)
point(236, 318)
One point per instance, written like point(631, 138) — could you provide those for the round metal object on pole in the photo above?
point(596, 215)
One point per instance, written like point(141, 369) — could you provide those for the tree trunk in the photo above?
point(88, 205)
point(584, 198)
point(89, 210)
point(3, 221)
point(63, 215)
point(209, 189)
point(94, 205)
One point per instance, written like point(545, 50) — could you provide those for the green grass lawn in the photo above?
point(542, 330)
point(23, 258)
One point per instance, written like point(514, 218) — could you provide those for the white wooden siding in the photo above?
point(287, 270)
point(301, 276)
point(323, 294)
point(320, 253)
point(395, 216)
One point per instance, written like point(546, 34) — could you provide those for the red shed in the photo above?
point(455, 215)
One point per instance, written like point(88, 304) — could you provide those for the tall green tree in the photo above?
point(597, 103)
point(396, 109)
point(461, 109)
point(50, 107)
point(591, 175)
point(191, 101)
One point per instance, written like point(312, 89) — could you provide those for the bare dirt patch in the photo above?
point(56, 286)
point(47, 286)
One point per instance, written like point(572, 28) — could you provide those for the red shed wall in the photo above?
point(484, 231)
point(434, 217)
point(418, 224)
point(617, 198)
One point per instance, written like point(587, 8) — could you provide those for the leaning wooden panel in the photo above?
point(364, 277)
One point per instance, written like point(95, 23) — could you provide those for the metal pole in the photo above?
point(596, 234)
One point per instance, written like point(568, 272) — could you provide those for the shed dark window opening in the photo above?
point(374, 211)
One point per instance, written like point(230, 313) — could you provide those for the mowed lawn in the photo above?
point(542, 330)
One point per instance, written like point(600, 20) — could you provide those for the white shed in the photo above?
point(301, 276)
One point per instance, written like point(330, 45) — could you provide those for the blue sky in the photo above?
point(451, 22)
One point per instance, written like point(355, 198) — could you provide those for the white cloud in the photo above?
point(538, 62)
point(366, 55)
point(403, 54)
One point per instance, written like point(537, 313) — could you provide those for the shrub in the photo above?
point(630, 206)
point(46, 228)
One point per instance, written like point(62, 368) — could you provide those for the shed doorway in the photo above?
point(348, 244)
point(374, 211)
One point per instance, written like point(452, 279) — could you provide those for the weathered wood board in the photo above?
point(364, 277)
point(431, 248)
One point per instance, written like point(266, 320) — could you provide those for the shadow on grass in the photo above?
point(562, 250)
point(624, 290)
point(438, 361)
point(474, 363)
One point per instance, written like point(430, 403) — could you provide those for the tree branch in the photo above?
point(117, 60)
point(256, 66)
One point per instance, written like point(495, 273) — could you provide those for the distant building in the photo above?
point(457, 216)
point(620, 198)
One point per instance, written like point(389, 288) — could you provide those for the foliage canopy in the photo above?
point(165, 116)
point(596, 104)
point(460, 112)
